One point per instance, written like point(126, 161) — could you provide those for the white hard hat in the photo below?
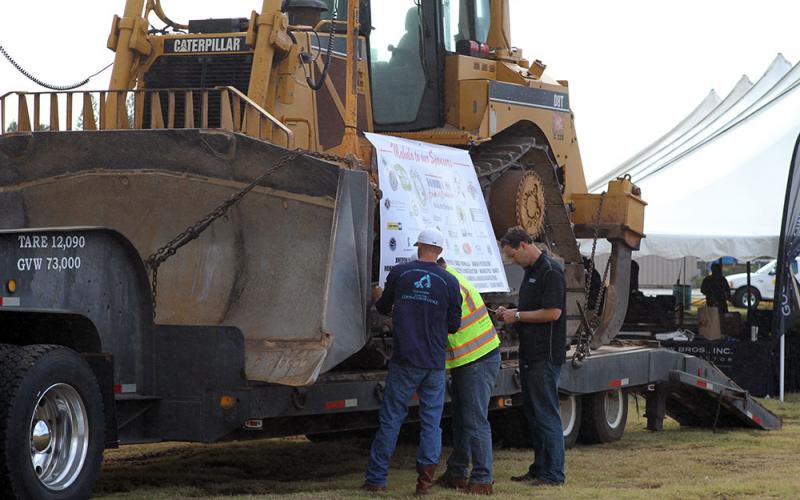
point(430, 236)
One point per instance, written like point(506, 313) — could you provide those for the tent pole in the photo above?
point(684, 270)
point(749, 297)
point(782, 365)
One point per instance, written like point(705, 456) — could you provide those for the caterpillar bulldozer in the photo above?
point(196, 111)
point(189, 253)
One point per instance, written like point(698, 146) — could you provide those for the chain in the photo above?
point(195, 230)
point(586, 331)
point(595, 322)
point(46, 85)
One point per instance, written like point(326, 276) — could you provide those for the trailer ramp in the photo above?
point(689, 389)
point(713, 400)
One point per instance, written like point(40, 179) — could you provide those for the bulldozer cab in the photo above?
point(408, 43)
point(405, 63)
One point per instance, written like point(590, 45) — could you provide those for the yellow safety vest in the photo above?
point(477, 335)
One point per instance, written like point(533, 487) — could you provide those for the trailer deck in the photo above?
point(689, 389)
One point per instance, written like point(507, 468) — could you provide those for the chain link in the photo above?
point(58, 88)
point(584, 336)
point(195, 230)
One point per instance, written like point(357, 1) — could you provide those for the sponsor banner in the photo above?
point(426, 185)
point(789, 248)
point(205, 45)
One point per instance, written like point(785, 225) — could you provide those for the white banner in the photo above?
point(426, 185)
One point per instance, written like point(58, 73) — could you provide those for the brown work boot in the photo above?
point(424, 479)
point(373, 488)
point(479, 489)
point(452, 482)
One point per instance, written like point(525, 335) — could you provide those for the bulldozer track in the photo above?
point(524, 153)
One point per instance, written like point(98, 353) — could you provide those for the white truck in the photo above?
point(762, 285)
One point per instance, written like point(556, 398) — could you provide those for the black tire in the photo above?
point(325, 437)
point(510, 428)
point(741, 293)
point(604, 416)
point(571, 411)
point(331, 437)
point(32, 378)
point(409, 434)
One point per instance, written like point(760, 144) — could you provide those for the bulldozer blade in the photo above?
point(288, 265)
point(616, 296)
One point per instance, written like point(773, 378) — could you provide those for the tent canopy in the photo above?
point(677, 246)
point(718, 187)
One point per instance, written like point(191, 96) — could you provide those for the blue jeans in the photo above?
point(472, 435)
point(401, 383)
point(543, 412)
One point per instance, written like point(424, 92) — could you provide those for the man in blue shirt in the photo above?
point(425, 303)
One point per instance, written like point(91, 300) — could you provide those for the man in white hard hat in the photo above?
point(425, 303)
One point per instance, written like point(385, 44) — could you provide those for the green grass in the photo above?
point(677, 463)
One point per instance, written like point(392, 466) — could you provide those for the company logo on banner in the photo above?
point(788, 299)
point(426, 185)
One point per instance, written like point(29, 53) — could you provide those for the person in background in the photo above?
point(542, 332)
point(473, 358)
point(425, 303)
point(715, 288)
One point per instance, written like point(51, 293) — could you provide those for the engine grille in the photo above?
point(207, 72)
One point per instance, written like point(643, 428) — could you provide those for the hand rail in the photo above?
point(224, 107)
point(261, 111)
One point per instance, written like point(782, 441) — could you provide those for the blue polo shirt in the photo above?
point(425, 302)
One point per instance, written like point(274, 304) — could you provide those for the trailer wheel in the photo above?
point(604, 416)
point(570, 418)
point(325, 437)
point(510, 428)
point(329, 437)
point(52, 429)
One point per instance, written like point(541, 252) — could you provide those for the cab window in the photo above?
point(464, 20)
point(396, 61)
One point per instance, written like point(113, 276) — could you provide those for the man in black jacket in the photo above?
point(715, 288)
point(542, 332)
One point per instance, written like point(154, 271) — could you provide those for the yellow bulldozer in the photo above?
point(189, 253)
point(195, 112)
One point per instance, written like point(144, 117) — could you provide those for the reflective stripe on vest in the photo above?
point(455, 353)
point(472, 317)
point(477, 335)
point(467, 298)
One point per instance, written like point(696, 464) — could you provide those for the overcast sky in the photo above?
point(635, 67)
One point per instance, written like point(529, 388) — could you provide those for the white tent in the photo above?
point(717, 187)
point(708, 248)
